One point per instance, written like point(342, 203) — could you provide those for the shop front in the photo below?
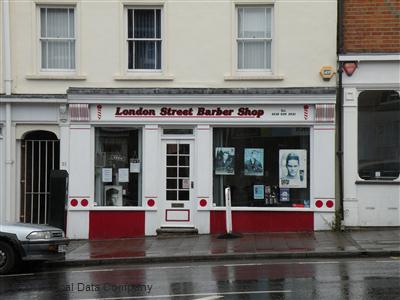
point(137, 167)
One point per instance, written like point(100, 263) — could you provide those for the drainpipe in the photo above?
point(7, 85)
point(339, 106)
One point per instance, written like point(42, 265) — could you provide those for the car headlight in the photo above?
point(39, 235)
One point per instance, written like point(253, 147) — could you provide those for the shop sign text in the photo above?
point(189, 112)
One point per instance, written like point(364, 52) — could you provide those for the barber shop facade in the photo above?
point(141, 163)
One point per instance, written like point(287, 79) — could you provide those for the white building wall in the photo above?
point(323, 173)
point(2, 173)
point(81, 183)
point(151, 177)
point(199, 39)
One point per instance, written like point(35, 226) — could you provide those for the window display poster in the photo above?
point(293, 168)
point(106, 174)
point(224, 161)
point(254, 162)
point(258, 192)
point(134, 166)
point(123, 175)
point(284, 195)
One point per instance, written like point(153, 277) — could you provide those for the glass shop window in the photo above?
point(379, 135)
point(265, 167)
point(118, 167)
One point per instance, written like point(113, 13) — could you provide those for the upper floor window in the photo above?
point(57, 38)
point(378, 135)
point(144, 39)
point(254, 38)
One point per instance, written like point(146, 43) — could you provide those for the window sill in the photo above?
point(254, 78)
point(144, 77)
point(383, 182)
point(55, 77)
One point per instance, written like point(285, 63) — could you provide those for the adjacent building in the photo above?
point(369, 57)
point(154, 108)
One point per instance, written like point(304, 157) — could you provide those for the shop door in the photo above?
point(177, 186)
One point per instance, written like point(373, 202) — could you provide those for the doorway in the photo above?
point(40, 153)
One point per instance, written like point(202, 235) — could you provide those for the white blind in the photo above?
point(57, 38)
point(254, 37)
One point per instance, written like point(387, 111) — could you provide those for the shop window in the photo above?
point(265, 167)
point(379, 135)
point(118, 167)
point(57, 38)
point(254, 38)
point(144, 39)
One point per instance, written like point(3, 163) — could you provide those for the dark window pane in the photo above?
point(171, 148)
point(145, 55)
point(177, 131)
point(184, 160)
point(130, 54)
point(171, 195)
point(144, 23)
point(183, 172)
point(130, 25)
point(158, 23)
point(184, 195)
point(184, 149)
point(171, 172)
point(378, 135)
point(172, 160)
point(158, 55)
point(171, 184)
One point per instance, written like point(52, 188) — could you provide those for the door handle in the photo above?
point(192, 184)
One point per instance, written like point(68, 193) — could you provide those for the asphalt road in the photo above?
point(259, 279)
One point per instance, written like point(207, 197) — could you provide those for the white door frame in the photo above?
point(177, 213)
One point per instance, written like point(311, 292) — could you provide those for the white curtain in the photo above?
point(58, 38)
point(254, 34)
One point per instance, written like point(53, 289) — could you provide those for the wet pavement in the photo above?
point(331, 279)
point(378, 242)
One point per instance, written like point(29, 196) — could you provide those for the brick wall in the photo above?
point(371, 26)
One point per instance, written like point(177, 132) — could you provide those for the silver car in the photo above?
point(23, 242)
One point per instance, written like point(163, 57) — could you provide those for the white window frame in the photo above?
point(40, 39)
point(260, 71)
point(126, 39)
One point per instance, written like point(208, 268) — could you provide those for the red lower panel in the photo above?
point(116, 224)
point(262, 221)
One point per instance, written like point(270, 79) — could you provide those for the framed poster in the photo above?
point(254, 161)
point(293, 168)
point(224, 161)
point(258, 192)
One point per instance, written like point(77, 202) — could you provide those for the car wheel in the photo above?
point(7, 258)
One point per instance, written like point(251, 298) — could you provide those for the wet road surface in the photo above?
point(259, 279)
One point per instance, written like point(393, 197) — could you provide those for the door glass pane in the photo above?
point(184, 195)
point(171, 195)
point(184, 160)
point(184, 149)
point(171, 172)
point(183, 172)
point(172, 160)
point(172, 148)
point(171, 183)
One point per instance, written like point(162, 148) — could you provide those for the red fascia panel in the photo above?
point(262, 221)
point(116, 224)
